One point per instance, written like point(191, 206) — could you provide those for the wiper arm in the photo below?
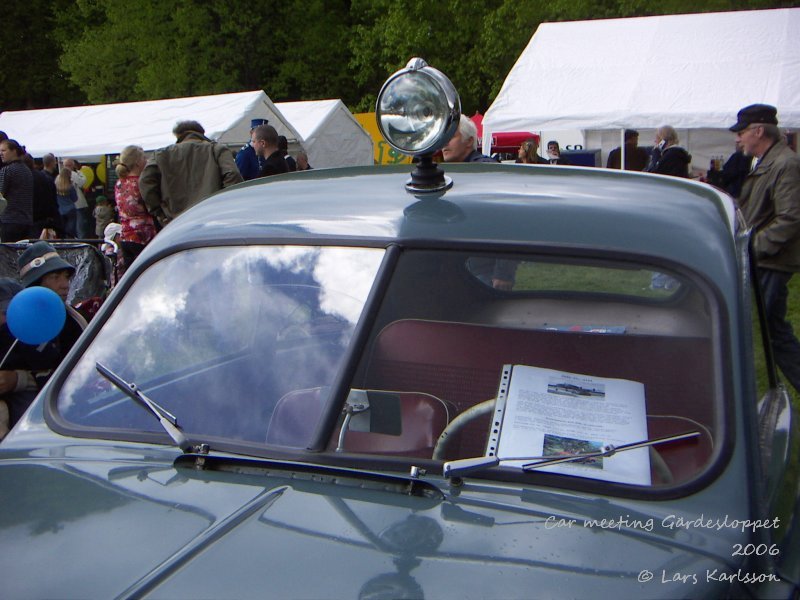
point(168, 421)
point(460, 467)
point(607, 450)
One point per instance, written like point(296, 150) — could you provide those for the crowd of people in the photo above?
point(42, 198)
point(45, 200)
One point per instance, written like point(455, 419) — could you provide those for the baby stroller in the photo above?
point(93, 271)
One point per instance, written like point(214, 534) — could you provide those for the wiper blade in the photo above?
point(461, 467)
point(168, 421)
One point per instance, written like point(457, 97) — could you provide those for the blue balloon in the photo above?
point(36, 315)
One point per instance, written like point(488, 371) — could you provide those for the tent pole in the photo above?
point(622, 149)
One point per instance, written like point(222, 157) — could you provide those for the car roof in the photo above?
point(678, 220)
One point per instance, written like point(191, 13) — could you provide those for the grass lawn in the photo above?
point(794, 318)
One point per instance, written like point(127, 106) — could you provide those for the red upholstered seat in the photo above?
point(461, 363)
point(423, 418)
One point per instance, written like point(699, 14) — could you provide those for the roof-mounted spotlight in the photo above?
point(418, 110)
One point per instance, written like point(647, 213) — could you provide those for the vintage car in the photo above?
point(465, 381)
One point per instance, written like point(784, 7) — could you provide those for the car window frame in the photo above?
point(316, 451)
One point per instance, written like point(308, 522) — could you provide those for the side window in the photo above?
point(543, 276)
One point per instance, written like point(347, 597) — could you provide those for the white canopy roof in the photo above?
point(81, 131)
point(330, 133)
point(688, 71)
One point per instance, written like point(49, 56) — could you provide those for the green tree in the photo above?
point(184, 47)
point(387, 34)
point(314, 54)
point(30, 76)
point(164, 49)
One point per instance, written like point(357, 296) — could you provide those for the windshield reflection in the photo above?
point(218, 335)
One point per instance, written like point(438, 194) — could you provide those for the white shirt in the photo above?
point(79, 180)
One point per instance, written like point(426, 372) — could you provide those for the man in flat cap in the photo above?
point(181, 175)
point(770, 204)
point(247, 159)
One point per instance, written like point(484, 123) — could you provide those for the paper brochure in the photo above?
point(548, 413)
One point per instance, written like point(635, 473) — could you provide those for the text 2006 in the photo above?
point(755, 550)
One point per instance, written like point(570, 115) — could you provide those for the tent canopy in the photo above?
point(330, 133)
point(81, 131)
point(689, 71)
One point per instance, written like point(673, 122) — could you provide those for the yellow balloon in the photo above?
point(86, 170)
point(101, 172)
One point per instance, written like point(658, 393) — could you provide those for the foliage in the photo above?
point(30, 76)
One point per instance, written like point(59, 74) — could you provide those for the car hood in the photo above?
point(146, 528)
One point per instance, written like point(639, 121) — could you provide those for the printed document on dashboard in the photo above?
point(547, 413)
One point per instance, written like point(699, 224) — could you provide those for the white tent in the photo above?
point(329, 132)
point(693, 72)
point(84, 131)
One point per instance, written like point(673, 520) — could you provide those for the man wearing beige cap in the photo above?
point(770, 203)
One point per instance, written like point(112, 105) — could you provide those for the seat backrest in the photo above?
point(295, 418)
point(423, 418)
point(462, 362)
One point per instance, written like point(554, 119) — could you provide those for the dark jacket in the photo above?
point(476, 156)
point(674, 161)
point(45, 206)
point(274, 164)
point(39, 361)
point(734, 172)
point(770, 203)
point(16, 184)
point(635, 158)
point(652, 161)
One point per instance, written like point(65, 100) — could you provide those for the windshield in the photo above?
point(218, 335)
point(521, 360)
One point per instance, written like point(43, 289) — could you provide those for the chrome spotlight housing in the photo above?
point(418, 111)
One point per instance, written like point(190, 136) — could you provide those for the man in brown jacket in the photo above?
point(770, 204)
point(181, 175)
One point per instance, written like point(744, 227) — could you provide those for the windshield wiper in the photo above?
point(168, 421)
point(456, 468)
